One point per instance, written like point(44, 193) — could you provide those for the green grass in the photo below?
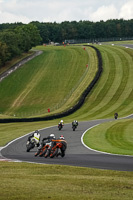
point(114, 91)
point(54, 80)
point(113, 137)
point(34, 88)
point(34, 181)
point(14, 130)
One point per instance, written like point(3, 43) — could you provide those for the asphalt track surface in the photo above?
point(76, 154)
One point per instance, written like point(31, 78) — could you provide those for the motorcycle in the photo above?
point(41, 152)
point(31, 144)
point(74, 126)
point(54, 151)
point(116, 115)
point(60, 126)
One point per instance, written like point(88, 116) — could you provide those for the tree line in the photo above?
point(17, 37)
point(58, 32)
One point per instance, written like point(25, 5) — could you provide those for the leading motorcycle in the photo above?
point(31, 144)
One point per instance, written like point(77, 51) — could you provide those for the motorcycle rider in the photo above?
point(46, 140)
point(116, 115)
point(61, 122)
point(75, 122)
point(49, 139)
point(64, 147)
point(36, 135)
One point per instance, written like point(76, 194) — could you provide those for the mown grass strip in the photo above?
point(113, 92)
point(113, 137)
point(43, 82)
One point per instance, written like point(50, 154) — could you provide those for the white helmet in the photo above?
point(52, 135)
point(62, 137)
point(61, 121)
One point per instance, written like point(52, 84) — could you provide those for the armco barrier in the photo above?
point(71, 110)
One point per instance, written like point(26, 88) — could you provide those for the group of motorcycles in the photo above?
point(48, 150)
point(74, 125)
point(45, 151)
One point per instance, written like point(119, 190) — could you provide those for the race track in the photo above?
point(76, 154)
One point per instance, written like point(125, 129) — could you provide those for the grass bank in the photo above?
point(113, 137)
point(14, 130)
point(33, 181)
point(53, 80)
point(114, 90)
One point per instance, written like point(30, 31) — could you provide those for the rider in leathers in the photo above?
point(36, 136)
point(63, 149)
point(75, 122)
point(46, 140)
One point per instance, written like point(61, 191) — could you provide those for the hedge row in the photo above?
point(71, 110)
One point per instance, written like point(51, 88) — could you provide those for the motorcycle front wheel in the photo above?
point(47, 153)
point(54, 153)
point(42, 153)
point(30, 146)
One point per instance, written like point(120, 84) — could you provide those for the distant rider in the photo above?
point(116, 115)
point(75, 122)
point(61, 122)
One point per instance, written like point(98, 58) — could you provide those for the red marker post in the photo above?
point(48, 109)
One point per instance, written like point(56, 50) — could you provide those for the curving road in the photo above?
point(76, 154)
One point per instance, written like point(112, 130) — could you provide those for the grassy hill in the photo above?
point(54, 80)
point(114, 91)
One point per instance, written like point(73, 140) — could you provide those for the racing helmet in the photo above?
point(37, 131)
point(61, 121)
point(62, 137)
point(52, 135)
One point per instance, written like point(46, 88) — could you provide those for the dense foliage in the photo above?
point(84, 30)
point(17, 38)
